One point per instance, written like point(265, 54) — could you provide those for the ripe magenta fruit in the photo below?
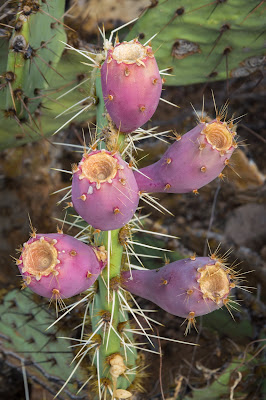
point(57, 264)
point(131, 84)
point(191, 162)
point(188, 287)
point(104, 190)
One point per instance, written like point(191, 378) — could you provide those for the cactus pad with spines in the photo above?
point(48, 117)
point(204, 41)
point(23, 339)
point(34, 49)
point(33, 74)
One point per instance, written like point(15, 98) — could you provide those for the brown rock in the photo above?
point(247, 226)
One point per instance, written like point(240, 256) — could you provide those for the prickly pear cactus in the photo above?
point(105, 194)
point(34, 73)
point(204, 41)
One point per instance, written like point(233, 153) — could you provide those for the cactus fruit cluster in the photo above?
point(106, 189)
point(36, 66)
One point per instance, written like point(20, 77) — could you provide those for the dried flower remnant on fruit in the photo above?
point(129, 53)
point(40, 258)
point(100, 167)
point(214, 282)
point(218, 136)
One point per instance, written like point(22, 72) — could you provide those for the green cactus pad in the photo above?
point(23, 337)
point(221, 387)
point(34, 49)
point(12, 134)
point(33, 74)
point(204, 41)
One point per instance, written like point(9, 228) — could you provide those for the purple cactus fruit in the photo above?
point(104, 190)
point(59, 265)
point(186, 288)
point(131, 84)
point(191, 162)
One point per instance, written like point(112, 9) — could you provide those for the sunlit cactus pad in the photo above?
point(204, 41)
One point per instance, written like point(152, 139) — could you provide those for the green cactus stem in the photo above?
point(106, 310)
